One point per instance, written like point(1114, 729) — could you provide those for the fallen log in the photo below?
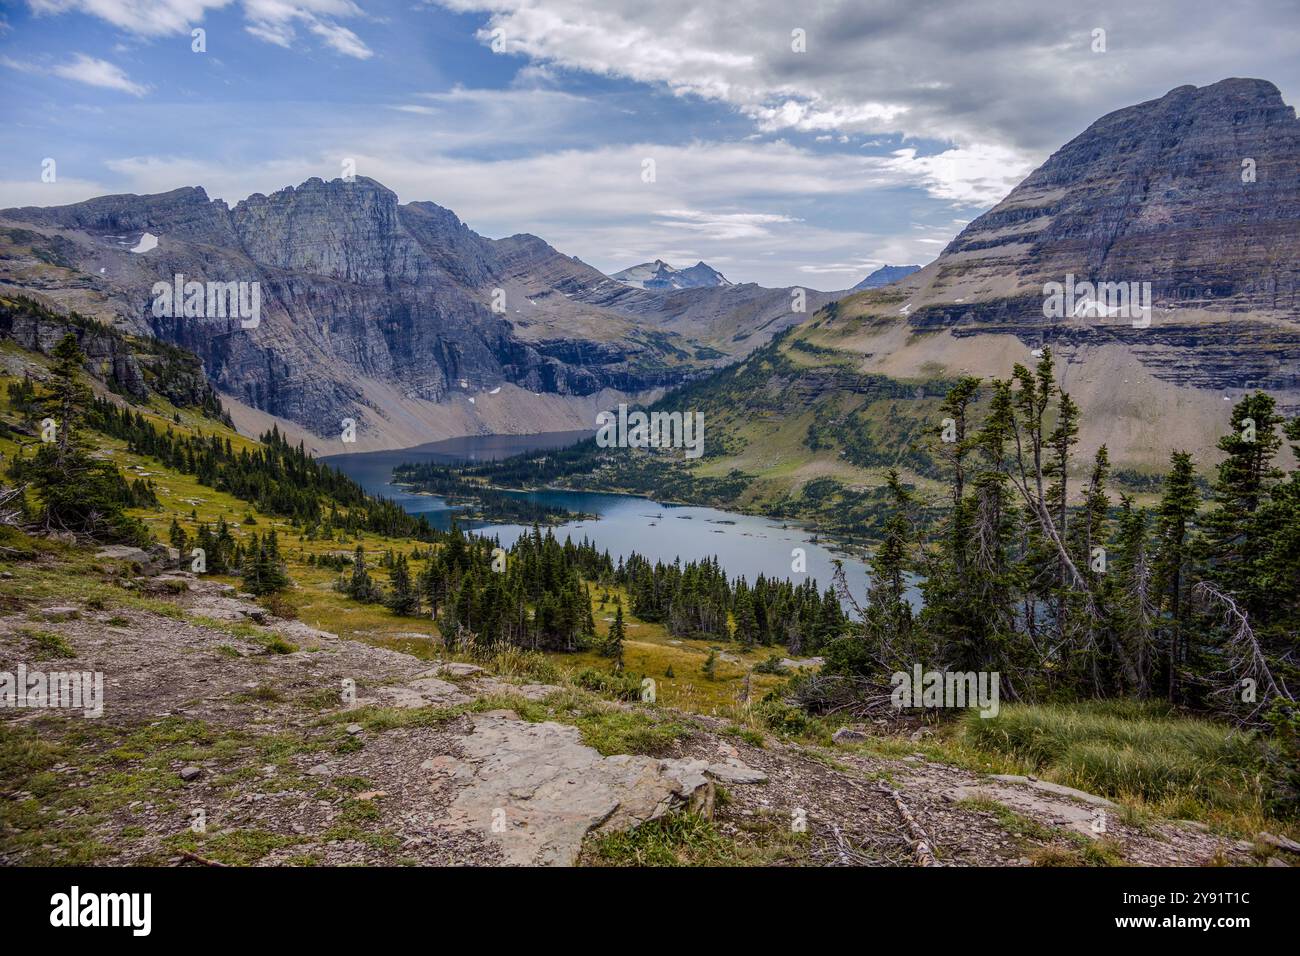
point(920, 841)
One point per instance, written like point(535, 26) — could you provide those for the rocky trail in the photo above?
point(230, 736)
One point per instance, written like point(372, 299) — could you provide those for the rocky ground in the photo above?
point(230, 736)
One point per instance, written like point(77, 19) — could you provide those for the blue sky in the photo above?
point(898, 121)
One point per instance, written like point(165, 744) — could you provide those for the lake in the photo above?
point(744, 545)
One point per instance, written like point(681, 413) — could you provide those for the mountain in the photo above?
point(395, 315)
point(659, 276)
point(884, 276)
point(1153, 193)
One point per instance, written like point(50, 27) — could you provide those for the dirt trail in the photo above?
point(340, 752)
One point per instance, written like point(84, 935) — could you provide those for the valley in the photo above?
point(365, 589)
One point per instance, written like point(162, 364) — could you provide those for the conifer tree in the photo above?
point(402, 597)
point(361, 587)
point(77, 492)
point(1175, 524)
point(613, 646)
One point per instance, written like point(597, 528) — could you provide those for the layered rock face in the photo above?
point(1160, 193)
point(363, 300)
point(1196, 193)
point(129, 366)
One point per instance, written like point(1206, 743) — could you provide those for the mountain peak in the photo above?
point(884, 276)
point(660, 276)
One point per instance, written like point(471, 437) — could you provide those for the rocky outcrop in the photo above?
point(107, 355)
point(125, 364)
point(538, 790)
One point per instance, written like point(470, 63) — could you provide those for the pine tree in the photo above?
point(888, 614)
point(432, 586)
point(1175, 524)
point(180, 540)
point(402, 597)
point(1245, 477)
point(360, 586)
point(263, 571)
point(1134, 598)
point(746, 630)
point(710, 669)
point(613, 646)
point(77, 493)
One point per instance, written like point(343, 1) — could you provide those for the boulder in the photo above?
point(848, 735)
point(151, 562)
point(736, 772)
point(1280, 842)
point(536, 791)
point(457, 668)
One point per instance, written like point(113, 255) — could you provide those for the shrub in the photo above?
point(280, 606)
point(1282, 761)
point(621, 686)
point(783, 718)
point(48, 643)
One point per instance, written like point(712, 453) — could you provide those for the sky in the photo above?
point(782, 143)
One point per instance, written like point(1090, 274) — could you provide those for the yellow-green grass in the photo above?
point(648, 650)
point(687, 839)
point(1138, 753)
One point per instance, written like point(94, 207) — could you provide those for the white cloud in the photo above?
point(144, 17)
point(341, 39)
point(270, 20)
point(95, 72)
point(33, 192)
point(83, 69)
point(1017, 73)
point(978, 175)
point(722, 226)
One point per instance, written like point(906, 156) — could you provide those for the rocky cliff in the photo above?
point(127, 365)
point(1196, 193)
point(398, 316)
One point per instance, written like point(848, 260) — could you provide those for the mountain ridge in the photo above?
point(1150, 194)
point(397, 316)
point(884, 276)
point(660, 276)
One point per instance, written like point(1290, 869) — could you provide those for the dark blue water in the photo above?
point(744, 544)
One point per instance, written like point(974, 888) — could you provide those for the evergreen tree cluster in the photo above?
point(278, 478)
point(696, 600)
point(77, 491)
point(1069, 593)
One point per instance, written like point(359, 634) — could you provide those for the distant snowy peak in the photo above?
point(883, 276)
point(660, 276)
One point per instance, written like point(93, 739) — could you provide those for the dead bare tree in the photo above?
point(1246, 660)
point(9, 514)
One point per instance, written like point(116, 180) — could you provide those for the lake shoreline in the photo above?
point(621, 521)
